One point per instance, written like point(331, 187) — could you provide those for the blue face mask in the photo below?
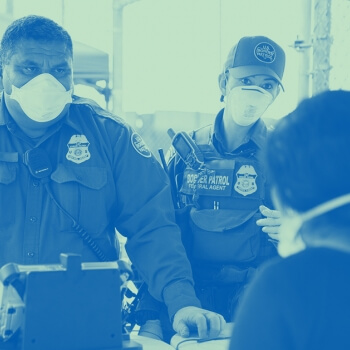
point(290, 242)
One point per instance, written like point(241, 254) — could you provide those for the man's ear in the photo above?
point(222, 79)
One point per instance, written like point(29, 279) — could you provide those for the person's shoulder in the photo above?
point(279, 264)
point(96, 109)
point(317, 254)
point(324, 258)
point(311, 261)
point(280, 267)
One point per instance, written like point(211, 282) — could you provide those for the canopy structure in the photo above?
point(90, 66)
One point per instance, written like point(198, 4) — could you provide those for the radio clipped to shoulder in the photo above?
point(186, 149)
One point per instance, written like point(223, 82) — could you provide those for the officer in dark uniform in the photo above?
point(220, 203)
point(71, 174)
point(223, 206)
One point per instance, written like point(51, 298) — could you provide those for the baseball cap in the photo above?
point(254, 55)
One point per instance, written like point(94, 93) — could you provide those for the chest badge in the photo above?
point(246, 183)
point(78, 149)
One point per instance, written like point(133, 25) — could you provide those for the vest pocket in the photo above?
point(224, 236)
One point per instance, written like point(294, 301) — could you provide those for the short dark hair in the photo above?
point(32, 27)
point(308, 153)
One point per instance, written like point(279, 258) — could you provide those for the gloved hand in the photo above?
point(271, 223)
point(207, 323)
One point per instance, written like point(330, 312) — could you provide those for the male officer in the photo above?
point(70, 174)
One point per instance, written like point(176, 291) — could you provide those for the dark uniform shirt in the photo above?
point(104, 177)
point(256, 135)
point(218, 206)
point(254, 142)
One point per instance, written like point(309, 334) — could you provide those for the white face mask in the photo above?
point(248, 103)
point(43, 98)
point(290, 242)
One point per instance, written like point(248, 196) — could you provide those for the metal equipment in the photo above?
point(68, 306)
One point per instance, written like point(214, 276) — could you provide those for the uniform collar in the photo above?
point(72, 118)
point(256, 134)
point(5, 119)
point(72, 122)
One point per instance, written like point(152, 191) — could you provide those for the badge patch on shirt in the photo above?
point(78, 149)
point(140, 146)
point(246, 184)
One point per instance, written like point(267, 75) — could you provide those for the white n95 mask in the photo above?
point(43, 98)
point(248, 103)
point(290, 242)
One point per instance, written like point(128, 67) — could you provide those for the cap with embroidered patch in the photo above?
point(254, 55)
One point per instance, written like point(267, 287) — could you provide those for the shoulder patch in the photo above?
point(140, 145)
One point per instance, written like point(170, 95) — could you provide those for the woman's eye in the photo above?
point(267, 86)
point(246, 81)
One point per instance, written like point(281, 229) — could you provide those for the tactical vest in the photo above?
point(226, 195)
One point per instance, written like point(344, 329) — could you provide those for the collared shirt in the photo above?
point(253, 143)
point(256, 135)
point(103, 177)
point(240, 188)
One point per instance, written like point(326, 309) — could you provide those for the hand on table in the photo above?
point(208, 324)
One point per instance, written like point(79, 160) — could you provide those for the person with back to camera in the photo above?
point(223, 208)
point(302, 300)
point(95, 183)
